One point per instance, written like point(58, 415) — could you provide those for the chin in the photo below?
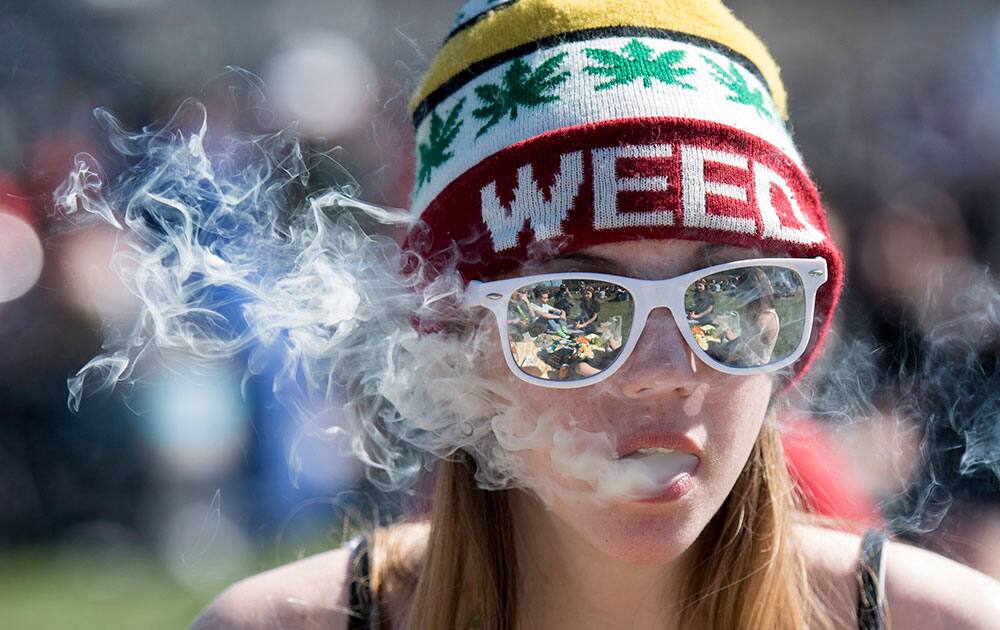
point(640, 536)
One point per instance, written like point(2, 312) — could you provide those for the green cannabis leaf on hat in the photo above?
point(520, 87)
point(434, 152)
point(740, 92)
point(638, 63)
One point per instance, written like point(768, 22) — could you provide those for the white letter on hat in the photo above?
point(529, 205)
point(764, 179)
point(607, 186)
point(696, 189)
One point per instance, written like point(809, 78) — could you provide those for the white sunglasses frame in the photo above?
point(647, 295)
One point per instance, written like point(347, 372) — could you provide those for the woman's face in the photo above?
point(662, 392)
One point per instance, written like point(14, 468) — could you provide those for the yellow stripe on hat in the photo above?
point(525, 21)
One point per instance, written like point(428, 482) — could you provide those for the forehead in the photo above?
point(650, 259)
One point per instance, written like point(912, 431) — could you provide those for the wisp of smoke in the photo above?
point(943, 382)
point(231, 258)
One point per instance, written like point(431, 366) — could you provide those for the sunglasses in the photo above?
point(567, 330)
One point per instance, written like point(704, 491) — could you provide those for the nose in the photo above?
point(661, 362)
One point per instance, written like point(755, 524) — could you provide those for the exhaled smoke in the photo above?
point(232, 259)
point(937, 386)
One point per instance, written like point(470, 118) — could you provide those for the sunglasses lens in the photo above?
point(747, 317)
point(570, 329)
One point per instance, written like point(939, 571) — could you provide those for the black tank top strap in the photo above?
point(871, 581)
point(363, 604)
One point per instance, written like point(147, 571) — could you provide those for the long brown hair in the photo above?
point(750, 573)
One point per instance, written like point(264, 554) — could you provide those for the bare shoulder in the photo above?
point(314, 592)
point(309, 593)
point(832, 561)
point(926, 590)
point(923, 589)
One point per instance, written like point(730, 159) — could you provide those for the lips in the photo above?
point(652, 442)
point(656, 466)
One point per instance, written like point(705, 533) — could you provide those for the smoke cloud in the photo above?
point(234, 257)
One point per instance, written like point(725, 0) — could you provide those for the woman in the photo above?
point(754, 344)
point(590, 308)
point(636, 143)
point(702, 304)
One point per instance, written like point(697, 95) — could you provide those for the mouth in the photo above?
point(644, 454)
point(657, 443)
point(669, 464)
point(650, 451)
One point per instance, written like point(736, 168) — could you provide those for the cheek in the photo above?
point(530, 417)
point(743, 401)
point(733, 420)
point(527, 399)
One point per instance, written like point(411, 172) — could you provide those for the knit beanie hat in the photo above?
point(546, 126)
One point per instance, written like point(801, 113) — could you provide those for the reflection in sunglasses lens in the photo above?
point(568, 329)
point(747, 317)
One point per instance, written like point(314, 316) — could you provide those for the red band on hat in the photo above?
point(623, 180)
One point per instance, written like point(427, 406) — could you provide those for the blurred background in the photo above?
point(136, 512)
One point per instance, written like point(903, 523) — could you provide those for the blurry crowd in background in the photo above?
point(894, 106)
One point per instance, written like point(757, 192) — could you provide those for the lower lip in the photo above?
point(679, 486)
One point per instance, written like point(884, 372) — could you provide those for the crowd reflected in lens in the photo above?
point(569, 329)
point(747, 317)
point(574, 329)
